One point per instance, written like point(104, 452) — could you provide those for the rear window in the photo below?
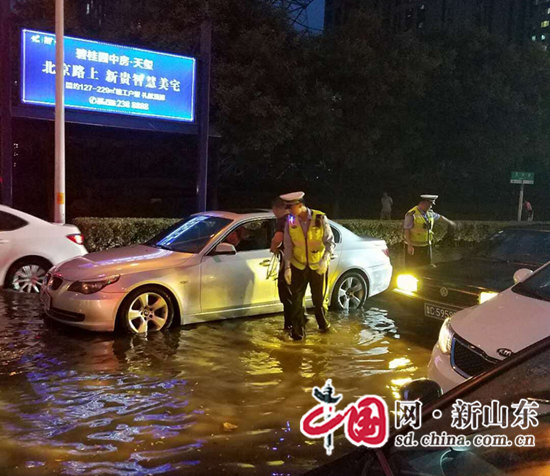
point(9, 222)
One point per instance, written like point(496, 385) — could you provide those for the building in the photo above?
point(514, 20)
point(539, 22)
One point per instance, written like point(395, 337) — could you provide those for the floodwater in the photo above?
point(217, 398)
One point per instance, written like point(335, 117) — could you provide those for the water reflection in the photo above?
point(220, 397)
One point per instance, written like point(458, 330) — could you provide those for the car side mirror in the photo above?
point(422, 389)
point(225, 249)
point(521, 275)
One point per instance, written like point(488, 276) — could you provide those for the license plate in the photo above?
point(46, 300)
point(437, 312)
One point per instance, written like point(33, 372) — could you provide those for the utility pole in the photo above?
point(204, 112)
point(6, 134)
point(520, 203)
point(59, 179)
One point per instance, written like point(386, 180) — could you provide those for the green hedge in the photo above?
point(104, 233)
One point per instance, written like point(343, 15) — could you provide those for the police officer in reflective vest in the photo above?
point(281, 212)
point(418, 231)
point(308, 247)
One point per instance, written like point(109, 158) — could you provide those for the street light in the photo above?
point(59, 178)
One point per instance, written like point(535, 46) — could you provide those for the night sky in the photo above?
point(315, 14)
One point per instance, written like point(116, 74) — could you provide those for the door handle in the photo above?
point(265, 262)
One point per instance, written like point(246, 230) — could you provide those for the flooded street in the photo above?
point(217, 398)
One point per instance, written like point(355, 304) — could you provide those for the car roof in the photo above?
point(239, 214)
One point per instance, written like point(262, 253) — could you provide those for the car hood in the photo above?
point(129, 259)
point(508, 321)
point(473, 273)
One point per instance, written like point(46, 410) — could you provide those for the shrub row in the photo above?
point(104, 233)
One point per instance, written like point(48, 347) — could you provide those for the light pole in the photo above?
point(204, 113)
point(6, 136)
point(59, 178)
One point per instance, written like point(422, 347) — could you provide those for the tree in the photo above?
point(369, 79)
point(484, 114)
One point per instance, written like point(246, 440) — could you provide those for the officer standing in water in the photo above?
point(308, 247)
point(418, 231)
point(281, 211)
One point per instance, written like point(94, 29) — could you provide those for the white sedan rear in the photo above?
point(30, 246)
point(213, 265)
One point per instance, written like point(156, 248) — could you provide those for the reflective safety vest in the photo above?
point(422, 230)
point(307, 252)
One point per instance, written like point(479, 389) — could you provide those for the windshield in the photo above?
point(523, 246)
point(537, 286)
point(504, 423)
point(189, 235)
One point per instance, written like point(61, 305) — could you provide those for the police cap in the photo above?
point(293, 198)
point(429, 198)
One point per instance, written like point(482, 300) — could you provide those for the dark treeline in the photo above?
point(355, 112)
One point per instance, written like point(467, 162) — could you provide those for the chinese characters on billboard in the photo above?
point(110, 78)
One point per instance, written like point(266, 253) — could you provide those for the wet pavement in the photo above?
point(216, 398)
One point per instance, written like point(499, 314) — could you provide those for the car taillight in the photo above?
point(76, 238)
point(386, 252)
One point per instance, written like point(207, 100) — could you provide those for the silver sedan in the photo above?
point(212, 265)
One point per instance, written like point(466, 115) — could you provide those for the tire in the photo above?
point(350, 292)
point(146, 309)
point(27, 275)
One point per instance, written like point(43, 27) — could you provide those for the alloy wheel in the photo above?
point(28, 278)
point(351, 293)
point(148, 312)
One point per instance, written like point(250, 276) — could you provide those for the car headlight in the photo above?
point(486, 295)
point(90, 287)
point(407, 282)
point(445, 339)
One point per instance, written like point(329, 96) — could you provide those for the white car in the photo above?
point(475, 339)
point(213, 265)
point(30, 246)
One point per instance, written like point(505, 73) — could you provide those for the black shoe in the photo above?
point(326, 328)
point(296, 336)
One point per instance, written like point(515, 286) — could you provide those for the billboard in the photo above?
point(109, 78)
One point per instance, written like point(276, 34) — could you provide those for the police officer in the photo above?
point(418, 231)
point(281, 211)
point(308, 247)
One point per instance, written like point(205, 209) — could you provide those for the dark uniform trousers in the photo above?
point(422, 256)
point(285, 296)
point(298, 287)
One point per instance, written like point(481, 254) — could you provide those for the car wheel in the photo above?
point(147, 309)
point(27, 275)
point(350, 292)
